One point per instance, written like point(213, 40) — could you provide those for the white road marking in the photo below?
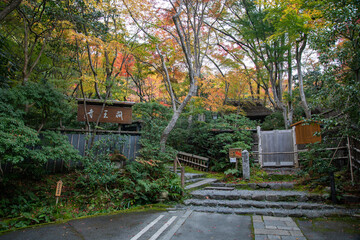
point(176, 227)
point(162, 229)
point(145, 229)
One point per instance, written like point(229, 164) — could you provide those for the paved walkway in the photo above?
point(279, 228)
point(188, 225)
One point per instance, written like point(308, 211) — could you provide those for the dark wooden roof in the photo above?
point(252, 108)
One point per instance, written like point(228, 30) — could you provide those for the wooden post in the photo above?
point(182, 177)
point(350, 159)
point(175, 164)
point(58, 191)
point(296, 156)
point(236, 164)
point(259, 150)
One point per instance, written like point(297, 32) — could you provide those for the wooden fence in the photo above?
point(126, 143)
point(191, 160)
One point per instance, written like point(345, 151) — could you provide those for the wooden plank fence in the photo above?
point(191, 160)
point(128, 145)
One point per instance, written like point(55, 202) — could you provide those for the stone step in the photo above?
point(219, 188)
point(259, 195)
point(258, 204)
point(201, 183)
point(265, 185)
point(192, 175)
point(280, 170)
point(192, 180)
point(277, 212)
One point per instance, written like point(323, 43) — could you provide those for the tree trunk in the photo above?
point(299, 51)
point(175, 117)
point(9, 8)
point(290, 83)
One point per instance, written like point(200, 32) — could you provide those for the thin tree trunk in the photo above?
point(175, 117)
point(290, 83)
point(299, 51)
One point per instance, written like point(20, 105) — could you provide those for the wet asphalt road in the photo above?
point(144, 225)
point(178, 225)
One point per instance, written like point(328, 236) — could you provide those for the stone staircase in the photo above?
point(263, 200)
point(194, 180)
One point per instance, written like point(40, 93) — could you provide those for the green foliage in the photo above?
point(27, 153)
point(316, 163)
point(16, 140)
point(37, 104)
point(98, 170)
point(48, 105)
point(231, 174)
point(143, 183)
point(56, 146)
point(273, 121)
point(207, 139)
point(155, 118)
point(340, 54)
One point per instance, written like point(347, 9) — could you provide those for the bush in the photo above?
point(144, 180)
point(155, 118)
point(316, 163)
point(207, 139)
point(273, 121)
point(98, 169)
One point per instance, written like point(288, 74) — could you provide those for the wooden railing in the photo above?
point(191, 160)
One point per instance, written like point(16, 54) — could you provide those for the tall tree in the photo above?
point(338, 43)
point(245, 24)
point(182, 21)
point(294, 19)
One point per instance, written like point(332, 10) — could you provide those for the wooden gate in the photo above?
point(277, 148)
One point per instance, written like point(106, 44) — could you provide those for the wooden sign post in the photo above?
point(58, 191)
point(234, 154)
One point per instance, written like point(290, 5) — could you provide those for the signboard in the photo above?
point(111, 114)
point(58, 188)
point(235, 153)
point(233, 160)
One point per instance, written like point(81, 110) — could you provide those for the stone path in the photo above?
point(279, 228)
point(201, 183)
point(264, 202)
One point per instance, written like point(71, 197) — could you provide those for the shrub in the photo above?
point(273, 121)
point(207, 139)
point(22, 148)
point(155, 118)
point(98, 169)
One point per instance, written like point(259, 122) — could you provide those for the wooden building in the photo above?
point(307, 132)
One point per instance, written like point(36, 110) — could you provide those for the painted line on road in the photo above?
point(176, 227)
point(145, 229)
point(163, 228)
